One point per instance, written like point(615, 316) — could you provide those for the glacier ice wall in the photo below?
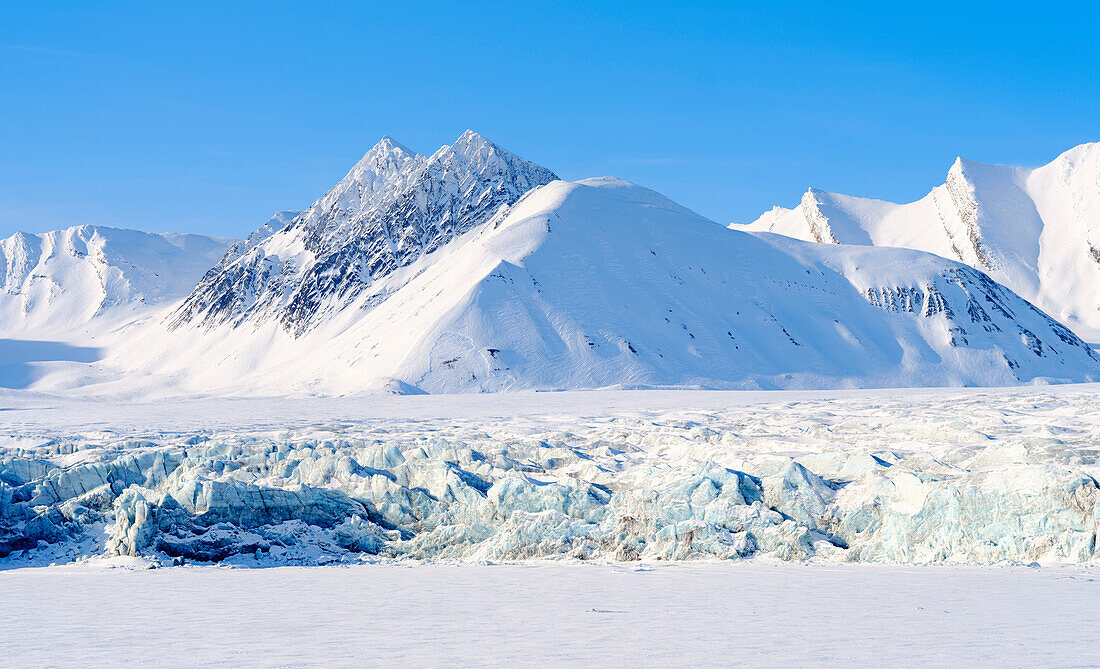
point(958, 479)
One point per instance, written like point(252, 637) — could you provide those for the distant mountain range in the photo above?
point(62, 283)
point(474, 270)
point(1037, 231)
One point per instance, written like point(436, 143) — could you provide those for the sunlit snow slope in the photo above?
point(56, 283)
point(391, 208)
point(603, 283)
point(1037, 231)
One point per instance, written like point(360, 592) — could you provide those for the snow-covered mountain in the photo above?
point(474, 270)
point(393, 207)
point(1037, 231)
point(55, 283)
point(603, 283)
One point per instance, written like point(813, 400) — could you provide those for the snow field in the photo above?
point(744, 614)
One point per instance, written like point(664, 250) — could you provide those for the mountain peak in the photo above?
point(964, 169)
point(470, 146)
point(1034, 229)
point(387, 152)
point(473, 154)
point(471, 137)
point(1089, 151)
point(389, 144)
point(393, 207)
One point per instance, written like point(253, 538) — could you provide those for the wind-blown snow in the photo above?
point(1037, 231)
point(967, 477)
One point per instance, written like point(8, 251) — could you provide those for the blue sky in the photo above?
point(206, 117)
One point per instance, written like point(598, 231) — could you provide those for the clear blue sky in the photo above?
point(206, 117)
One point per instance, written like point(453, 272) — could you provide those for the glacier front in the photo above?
point(964, 476)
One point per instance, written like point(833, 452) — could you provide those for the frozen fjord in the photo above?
point(745, 613)
point(966, 476)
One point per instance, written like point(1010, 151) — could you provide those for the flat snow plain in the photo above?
point(432, 615)
point(967, 444)
point(53, 414)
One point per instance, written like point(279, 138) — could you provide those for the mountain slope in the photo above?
point(56, 283)
point(1037, 231)
point(600, 283)
point(391, 208)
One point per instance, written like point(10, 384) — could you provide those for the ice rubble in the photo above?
point(944, 480)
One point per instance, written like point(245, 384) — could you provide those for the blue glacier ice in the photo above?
point(804, 481)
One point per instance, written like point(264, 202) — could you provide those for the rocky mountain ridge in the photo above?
point(393, 207)
point(1037, 231)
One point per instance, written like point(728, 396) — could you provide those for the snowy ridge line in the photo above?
point(604, 284)
point(969, 479)
point(394, 206)
point(474, 270)
point(56, 284)
point(1033, 230)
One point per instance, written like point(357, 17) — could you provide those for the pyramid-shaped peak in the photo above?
point(820, 195)
point(385, 148)
point(389, 144)
point(815, 196)
point(470, 144)
point(384, 160)
point(393, 207)
point(958, 167)
point(471, 137)
point(975, 171)
point(482, 156)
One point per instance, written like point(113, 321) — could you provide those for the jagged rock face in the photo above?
point(391, 209)
point(818, 222)
point(1037, 231)
point(983, 307)
point(966, 208)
